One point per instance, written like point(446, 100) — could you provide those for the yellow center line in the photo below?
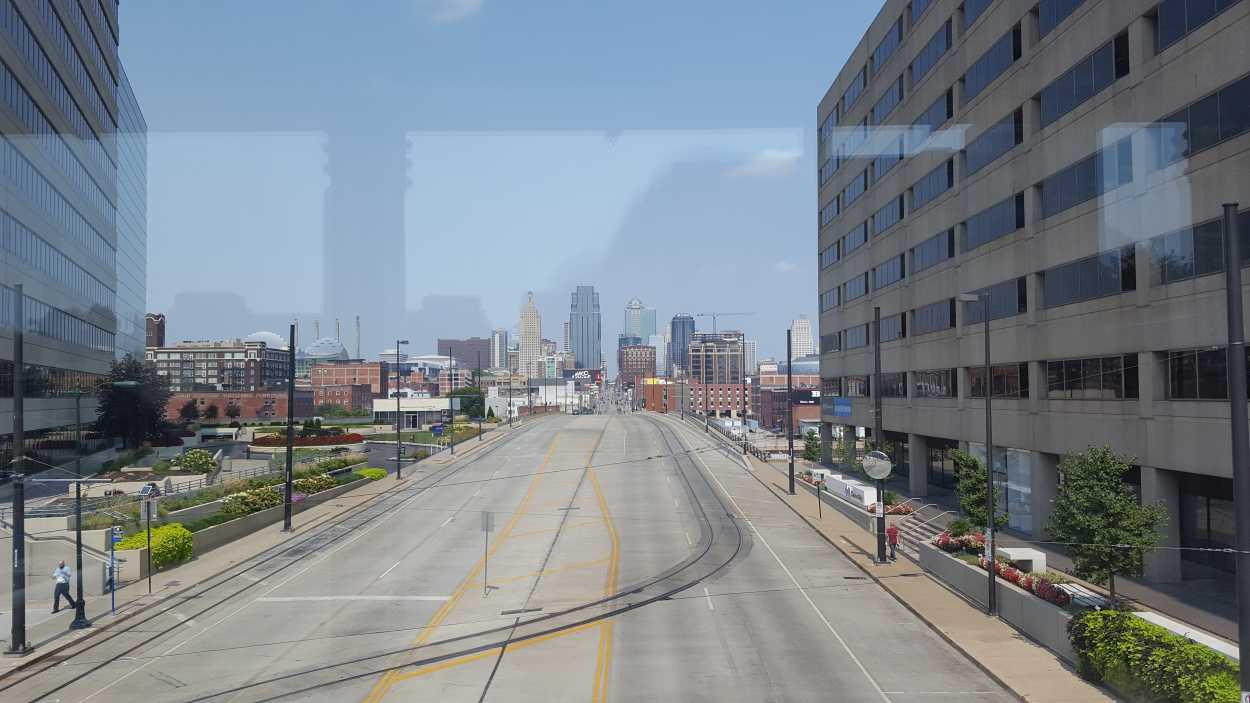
point(604, 659)
point(555, 570)
point(389, 679)
point(512, 647)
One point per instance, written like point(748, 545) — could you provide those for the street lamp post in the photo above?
point(80, 612)
point(790, 406)
point(451, 402)
point(877, 429)
point(399, 415)
point(482, 395)
point(289, 479)
point(992, 599)
point(18, 645)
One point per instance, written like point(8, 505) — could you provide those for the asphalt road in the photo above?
point(664, 571)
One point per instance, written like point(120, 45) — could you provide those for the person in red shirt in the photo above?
point(891, 534)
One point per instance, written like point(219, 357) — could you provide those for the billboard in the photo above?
point(583, 376)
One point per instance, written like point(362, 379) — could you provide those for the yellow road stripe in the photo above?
point(511, 647)
point(379, 690)
point(556, 570)
point(604, 659)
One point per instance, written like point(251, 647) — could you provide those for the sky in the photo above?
point(656, 150)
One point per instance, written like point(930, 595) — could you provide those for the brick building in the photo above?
point(376, 374)
point(227, 365)
point(772, 408)
point(635, 362)
point(356, 396)
point(254, 405)
point(155, 328)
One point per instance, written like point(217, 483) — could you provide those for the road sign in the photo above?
point(116, 533)
point(148, 509)
point(488, 521)
point(436, 430)
point(877, 465)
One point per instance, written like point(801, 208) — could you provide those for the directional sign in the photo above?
point(488, 521)
point(148, 509)
point(116, 534)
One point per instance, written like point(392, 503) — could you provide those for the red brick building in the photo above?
point(376, 374)
point(720, 399)
point(772, 408)
point(255, 405)
point(635, 362)
point(356, 396)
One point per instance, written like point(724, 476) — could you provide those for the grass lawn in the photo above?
point(425, 436)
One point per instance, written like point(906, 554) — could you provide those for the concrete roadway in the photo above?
point(789, 619)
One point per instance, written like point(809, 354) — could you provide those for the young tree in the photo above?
point(470, 400)
point(210, 413)
point(132, 412)
point(490, 413)
point(233, 411)
point(1097, 515)
point(189, 412)
point(970, 477)
point(811, 446)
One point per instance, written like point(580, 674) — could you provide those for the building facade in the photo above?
point(680, 330)
point(635, 362)
point(801, 342)
point(715, 364)
point(499, 349)
point(586, 328)
point(252, 405)
point(529, 347)
point(224, 365)
point(1063, 164)
point(154, 326)
point(378, 375)
point(469, 353)
point(354, 396)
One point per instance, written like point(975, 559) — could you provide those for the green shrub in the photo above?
point(214, 519)
point(959, 527)
point(1146, 662)
point(372, 474)
point(314, 484)
point(198, 460)
point(249, 502)
point(170, 544)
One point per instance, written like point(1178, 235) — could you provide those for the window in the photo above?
point(992, 64)
point(888, 273)
point(829, 211)
point(932, 118)
point(1178, 18)
point(1109, 273)
point(855, 239)
point(894, 384)
point(856, 288)
point(893, 327)
point(856, 337)
point(1098, 378)
point(829, 299)
point(1091, 177)
point(933, 251)
point(931, 53)
point(918, 8)
point(857, 386)
point(1194, 251)
point(855, 138)
point(1220, 116)
point(1006, 299)
point(1085, 80)
point(854, 90)
point(1198, 374)
point(831, 342)
point(888, 216)
point(1051, 12)
point(855, 188)
point(888, 45)
point(995, 141)
point(933, 184)
point(973, 9)
point(939, 383)
point(889, 157)
point(933, 317)
point(829, 255)
point(47, 321)
point(994, 222)
point(1006, 381)
point(886, 104)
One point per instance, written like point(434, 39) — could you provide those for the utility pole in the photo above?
point(290, 433)
point(481, 394)
point(17, 638)
point(451, 399)
point(745, 394)
point(790, 406)
point(80, 611)
point(876, 427)
point(399, 418)
point(992, 599)
point(1241, 439)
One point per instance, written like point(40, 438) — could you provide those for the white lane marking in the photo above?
point(304, 599)
point(252, 578)
point(448, 520)
point(688, 539)
point(317, 560)
point(184, 620)
point(795, 581)
point(477, 493)
point(676, 504)
point(384, 573)
point(708, 596)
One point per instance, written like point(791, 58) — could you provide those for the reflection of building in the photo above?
point(155, 323)
point(1081, 211)
point(469, 353)
point(586, 328)
point(230, 365)
point(681, 328)
point(529, 350)
point(253, 405)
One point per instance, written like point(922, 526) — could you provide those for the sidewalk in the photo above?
point(1027, 669)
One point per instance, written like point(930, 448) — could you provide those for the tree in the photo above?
point(210, 413)
point(132, 413)
point(198, 460)
point(471, 403)
point(490, 413)
point(811, 446)
point(189, 412)
point(970, 478)
point(233, 411)
point(1097, 515)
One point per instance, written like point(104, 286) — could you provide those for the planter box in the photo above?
point(862, 518)
point(213, 537)
point(1041, 621)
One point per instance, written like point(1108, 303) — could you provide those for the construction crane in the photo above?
point(715, 315)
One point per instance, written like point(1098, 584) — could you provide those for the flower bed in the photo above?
point(901, 509)
point(971, 543)
point(974, 543)
point(277, 440)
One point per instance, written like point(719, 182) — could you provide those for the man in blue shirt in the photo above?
point(61, 575)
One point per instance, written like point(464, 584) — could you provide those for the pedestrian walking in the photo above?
point(891, 534)
point(61, 575)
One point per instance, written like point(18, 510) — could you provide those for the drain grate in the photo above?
point(520, 611)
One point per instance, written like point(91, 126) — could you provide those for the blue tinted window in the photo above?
point(893, 327)
point(855, 239)
point(1178, 18)
point(1109, 273)
point(855, 337)
point(933, 317)
point(996, 221)
point(855, 288)
point(1005, 299)
point(854, 189)
point(973, 9)
point(1052, 12)
point(889, 273)
point(888, 216)
point(997, 59)
point(889, 44)
point(854, 90)
point(829, 255)
point(931, 53)
point(1085, 80)
point(995, 141)
point(884, 106)
point(1088, 178)
point(933, 251)
point(932, 118)
point(933, 184)
point(918, 8)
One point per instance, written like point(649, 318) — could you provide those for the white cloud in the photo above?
point(768, 162)
point(784, 266)
point(445, 11)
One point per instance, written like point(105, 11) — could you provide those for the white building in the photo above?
point(499, 349)
point(801, 341)
point(750, 348)
point(530, 349)
point(416, 412)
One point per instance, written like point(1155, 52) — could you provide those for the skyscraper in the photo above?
point(661, 353)
point(632, 326)
point(586, 328)
point(530, 350)
point(801, 342)
point(750, 351)
point(681, 328)
point(564, 345)
point(647, 323)
point(499, 349)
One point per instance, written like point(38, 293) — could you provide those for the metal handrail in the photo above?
point(926, 522)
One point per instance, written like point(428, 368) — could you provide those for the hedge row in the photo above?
point(170, 544)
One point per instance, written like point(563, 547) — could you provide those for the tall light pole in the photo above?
point(399, 414)
point(790, 406)
point(481, 395)
point(745, 395)
point(877, 429)
point(17, 637)
point(80, 613)
point(290, 433)
point(451, 400)
point(1237, 423)
point(992, 599)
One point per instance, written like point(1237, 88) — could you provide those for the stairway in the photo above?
point(921, 526)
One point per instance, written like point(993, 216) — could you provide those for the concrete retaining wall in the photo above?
point(213, 537)
point(862, 518)
point(1042, 622)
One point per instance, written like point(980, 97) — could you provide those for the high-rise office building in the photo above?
point(750, 348)
point(469, 353)
point(647, 323)
point(716, 373)
point(529, 349)
point(632, 324)
point(499, 349)
point(73, 212)
point(586, 328)
point(154, 329)
point(1064, 166)
point(801, 342)
point(680, 330)
point(565, 343)
point(656, 341)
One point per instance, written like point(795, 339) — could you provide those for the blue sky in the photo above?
point(654, 149)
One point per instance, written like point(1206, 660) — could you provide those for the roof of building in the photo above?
point(326, 348)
